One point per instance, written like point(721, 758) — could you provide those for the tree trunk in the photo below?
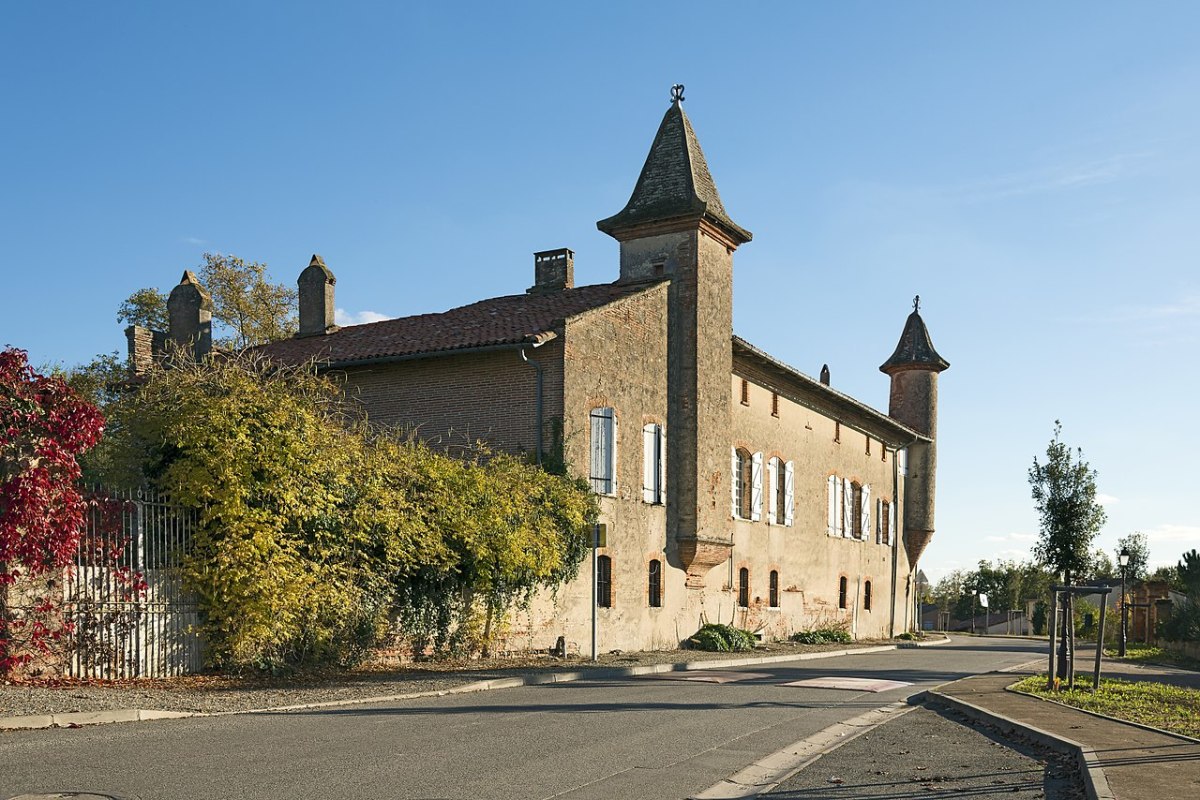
point(4, 620)
point(487, 626)
point(1064, 648)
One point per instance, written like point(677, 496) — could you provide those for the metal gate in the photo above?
point(131, 616)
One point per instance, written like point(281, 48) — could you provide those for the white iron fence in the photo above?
point(132, 617)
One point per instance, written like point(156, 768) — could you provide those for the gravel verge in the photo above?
point(222, 693)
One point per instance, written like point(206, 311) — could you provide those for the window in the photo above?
point(654, 473)
point(781, 480)
point(747, 484)
point(868, 445)
point(774, 589)
point(774, 404)
point(867, 596)
point(604, 582)
point(837, 431)
point(842, 592)
point(885, 522)
point(604, 451)
point(745, 392)
point(744, 587)
point(655, 593)
point(856, 511)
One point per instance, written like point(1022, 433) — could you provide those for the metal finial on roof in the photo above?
point(677, 93)
point(917, 303)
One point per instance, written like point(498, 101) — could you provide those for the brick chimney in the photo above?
point(553, 271)
point(189, 312)
point(316, 299)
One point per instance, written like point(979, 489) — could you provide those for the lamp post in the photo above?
point(1123, 560)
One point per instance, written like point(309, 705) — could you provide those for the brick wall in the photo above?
point(456, 399)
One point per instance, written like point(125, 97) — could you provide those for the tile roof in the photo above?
point(674, 182)
point(497, 321)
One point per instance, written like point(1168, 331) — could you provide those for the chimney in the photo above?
point(146, 349)
point(553, 271)
point(316, 299)
point(825, 374)
point(189, 311)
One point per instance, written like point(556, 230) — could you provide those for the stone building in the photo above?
point(733, 487)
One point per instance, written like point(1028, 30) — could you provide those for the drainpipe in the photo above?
point(538, 413)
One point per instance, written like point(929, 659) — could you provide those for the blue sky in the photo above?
point(1029, 169)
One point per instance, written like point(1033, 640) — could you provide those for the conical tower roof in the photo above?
point(675, 182)
point(915, 349)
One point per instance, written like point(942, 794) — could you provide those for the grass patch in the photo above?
point(1149, 654)
point(1158, 705)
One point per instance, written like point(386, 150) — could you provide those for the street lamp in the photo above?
point(1123, 560)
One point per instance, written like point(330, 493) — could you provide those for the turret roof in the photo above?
point(915, 348)
point(675, 181)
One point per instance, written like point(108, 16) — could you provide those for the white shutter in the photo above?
point(902, 461)
point(831, 502)
point(840, 519)
point(649, 465)
point(734, 477)
point(598, 459)
point(847, 508)
point(756, 487)
point(789, 493)
point(662, 464)
point(866, 513)
point(612, 449)
point(772, 495)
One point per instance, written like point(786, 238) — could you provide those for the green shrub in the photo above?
point(822, 636)
point(720, 638)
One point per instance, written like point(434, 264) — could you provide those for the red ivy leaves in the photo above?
point(44, 426)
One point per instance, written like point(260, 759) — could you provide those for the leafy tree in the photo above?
point(253, 310)
point(248, 308)
point(145, 307)
point(1064, 492)
point(1189, 572)
point(1102, 566)
point(44, 427)
point(1139, 554)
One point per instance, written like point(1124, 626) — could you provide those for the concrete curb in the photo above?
point(80, 718)
point(1095, 783)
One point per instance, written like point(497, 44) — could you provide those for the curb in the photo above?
point(81, 718)
point(1095, 783)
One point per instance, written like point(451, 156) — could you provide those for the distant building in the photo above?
point(733, 487)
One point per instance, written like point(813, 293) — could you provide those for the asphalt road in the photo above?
point(633, 738)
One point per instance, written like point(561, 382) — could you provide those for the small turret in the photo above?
point(189, 314)
point(315, 295)
point(914, 368)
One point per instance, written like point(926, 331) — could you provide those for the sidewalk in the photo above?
point(1118, 759)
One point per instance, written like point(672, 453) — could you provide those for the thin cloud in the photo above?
point(1062, 177)
point(344, 318)
point(194, 240)
point(1106, 499)
point(1012, 537)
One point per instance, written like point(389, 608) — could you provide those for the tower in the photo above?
point(675, 228)
point(189, 316)
point(914, 368)
point(315, 299)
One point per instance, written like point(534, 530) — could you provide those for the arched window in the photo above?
point(842, 592)
point(744, 587)
point(867, 595)
point(774, 593)
point(604, 582)
point(655, 583)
